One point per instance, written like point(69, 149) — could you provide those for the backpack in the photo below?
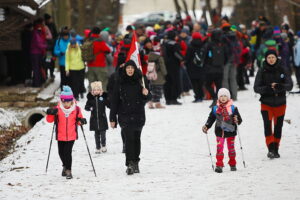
point(216, 107)
point(225, 126)
point(87, 51)
point(199, 56)
point(218, 55)
point(151, 72)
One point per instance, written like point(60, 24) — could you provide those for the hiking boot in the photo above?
point(175, 102)
point(69, 174)
point(97, 151)
point(219, 169)
point(197, 101)
point(136, 168)
point(276, 154)
point(81, 95)
point(130, 168)
point(233, 168)
point(103, 149)
point(63, 173)
point(159, 106)
point(271, 155)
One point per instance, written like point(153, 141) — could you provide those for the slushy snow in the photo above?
point(175, 163)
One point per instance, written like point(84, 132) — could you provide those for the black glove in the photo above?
point(52, 111)
point(82, 121)
point(278, 86)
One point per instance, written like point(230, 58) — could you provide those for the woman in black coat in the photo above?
point(271, 82)
point(128, 102)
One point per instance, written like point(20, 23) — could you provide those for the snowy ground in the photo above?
point(174, 161)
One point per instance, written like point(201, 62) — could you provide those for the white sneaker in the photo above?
point(98, 151)
point(103, 149)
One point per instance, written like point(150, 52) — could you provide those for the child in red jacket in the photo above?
point(227, 117)
point(66, 116)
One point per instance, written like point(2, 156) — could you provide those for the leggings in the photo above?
point(65, 153)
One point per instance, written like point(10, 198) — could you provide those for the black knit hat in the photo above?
point(171, 35)
point(47, 16)
point(269, 52)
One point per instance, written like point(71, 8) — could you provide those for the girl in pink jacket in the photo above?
point(66, 116)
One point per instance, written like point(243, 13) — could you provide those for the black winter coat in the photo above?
point(218, 118)
point(172, 56)
point(209, 67)
point(97, 105)
point(128, 102)
point(194, 71)
point(272, 74)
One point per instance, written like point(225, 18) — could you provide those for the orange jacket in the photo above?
point(66, 127)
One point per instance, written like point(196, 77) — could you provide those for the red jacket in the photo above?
point(100, 50)
point(66, 127)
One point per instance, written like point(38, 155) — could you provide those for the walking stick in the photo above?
point(50, 147)
point(238, 132)
point(212, 164)
point(88, 150)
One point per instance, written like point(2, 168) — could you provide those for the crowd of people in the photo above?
point(175, 57)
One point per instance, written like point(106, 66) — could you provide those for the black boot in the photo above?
point(136, 167)
point(69, 174)
point(276, 154)
point(219, 169)
point(63, 173)
point(271, 153)
point(233, 168)
point(130, 168)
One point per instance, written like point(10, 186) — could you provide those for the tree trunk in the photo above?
point(178, 8)
point(194, 8)
point(185, 7)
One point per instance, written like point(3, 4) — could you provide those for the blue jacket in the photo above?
point(297, 54)
point(60, 49)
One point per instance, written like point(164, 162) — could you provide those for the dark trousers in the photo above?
point(100, 139)
point(275, 115)
point(37, 62)
point(198, 88)
point(132, 143)
point(215, 78)
point(76, 79)
point(297, 73)
point(240, 76)
point(82, 87)
point(123, 136)
point(49, 65)
point(63, 77)
point(172, 85)
point(156, 91)
point(65, 153)
point(185, 81)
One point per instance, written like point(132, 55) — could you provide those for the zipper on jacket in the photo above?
point(67, 129)
point(97, 113)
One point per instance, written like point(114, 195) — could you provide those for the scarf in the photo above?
point(225, 109)
point(67, 111)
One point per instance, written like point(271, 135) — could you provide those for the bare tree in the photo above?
point(185, 7)
point(194, 8)
point(178, 8)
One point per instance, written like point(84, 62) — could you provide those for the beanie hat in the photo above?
point(47, 16)
point(96, 84)
point(171, 35)
point(185, 30)
point(269, 52)
point(233, 28)
point(196, 35)
point(276, 31)
point(225, 25)
point(285, 27)
point(224, 92)
point(157, 27)
point(66, 94)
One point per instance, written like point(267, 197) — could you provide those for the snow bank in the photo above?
point(8, 119)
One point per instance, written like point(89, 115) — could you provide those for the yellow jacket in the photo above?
point(73, 59)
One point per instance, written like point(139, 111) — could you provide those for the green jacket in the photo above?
point(160, 68)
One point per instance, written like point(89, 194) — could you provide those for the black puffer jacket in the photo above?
point(268, 75)
point(128, 102)
point(97, 105)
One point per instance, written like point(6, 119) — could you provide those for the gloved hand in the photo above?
point(52, 111)
point(82, 121)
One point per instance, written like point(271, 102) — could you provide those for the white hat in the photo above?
point(96, 84)
point(223, 92)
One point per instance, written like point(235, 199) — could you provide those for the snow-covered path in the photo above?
point(174, 161)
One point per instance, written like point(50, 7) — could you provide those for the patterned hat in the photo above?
point(66, 94)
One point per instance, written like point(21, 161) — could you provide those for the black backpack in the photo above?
point(218, 55)
point(199, 57)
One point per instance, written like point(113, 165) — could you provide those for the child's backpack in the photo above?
point(199, 57)
point(216, 107)
point(87, 51)
point(225, 126)
point(151, 72)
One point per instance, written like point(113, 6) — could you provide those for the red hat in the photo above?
point(197, 35)
point(225, 25)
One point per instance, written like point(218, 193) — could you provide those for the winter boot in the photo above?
point(136, 167)
point(271, 148)
point(233, 168)
point(219, 169)
point(103, 149)
point(69, 174)
point(276, 154)
point(63, 173)
point(130, 168)
point(97, 151)
point(159, 106)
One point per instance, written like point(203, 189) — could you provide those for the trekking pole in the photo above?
point(50, 147)
point(238, 132)
point(88, 150)
point(212, 164)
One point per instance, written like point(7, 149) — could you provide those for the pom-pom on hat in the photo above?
point(224, 92)
point(96, 85)
point(66, 94)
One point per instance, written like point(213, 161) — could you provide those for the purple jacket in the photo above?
point(38, 44)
